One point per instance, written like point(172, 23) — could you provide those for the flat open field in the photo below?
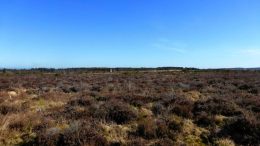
point(130, 108)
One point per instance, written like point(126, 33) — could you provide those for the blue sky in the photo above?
point(129, 33)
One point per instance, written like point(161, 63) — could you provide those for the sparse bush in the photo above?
point(82, 134)
point(78, 107)
point(1, 100)
point(147, 129)
point(175, 123)
point(102, 98)
point(157, 109)
point(96, 88)
point(120, 113)
point(248, 88)
point(137, 103)
point(243, 131)
point(17, 125)
point(217, 107)
point(113, 111)
point(245, 87)
point(205, 120)
point(4, 109)
point(80, 102)
point(152, 129)
point(136, 142)
point(182, 107)
point(164, 142)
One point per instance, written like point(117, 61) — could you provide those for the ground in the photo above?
point(130, 108)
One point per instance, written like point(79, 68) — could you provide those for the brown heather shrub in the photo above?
point(77, 133)
point(175, 123)
point(217, 106)
point(73, 112)
point(251, 103)
point(242, 130)
point(164, 142)
point(113, 111)
point(5, 109)
point(80, 102)
point(136, 141)
point(17, 125)
point(1, 99)
point(102, 98)
point(158, 109)
point(119, 113)
point(137, 101)
point(152, 129)
point(147, 129)
point(182, 107)
point(205, 120)
point(132, 108)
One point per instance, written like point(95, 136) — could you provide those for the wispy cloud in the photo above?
point(250, 52)
point(169, 45)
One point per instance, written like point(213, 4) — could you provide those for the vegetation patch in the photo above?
point(130, 108)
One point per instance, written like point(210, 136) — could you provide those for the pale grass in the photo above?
point(116, 133)
point(190, 134)
point(225, 142)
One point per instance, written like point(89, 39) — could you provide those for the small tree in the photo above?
point(4, 70)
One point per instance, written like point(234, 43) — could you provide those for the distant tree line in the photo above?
point(104, 69)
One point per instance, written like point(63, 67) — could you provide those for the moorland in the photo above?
point(133, 107)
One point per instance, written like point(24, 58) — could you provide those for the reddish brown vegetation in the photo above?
point(130, 108)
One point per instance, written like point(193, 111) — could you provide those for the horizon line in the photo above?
point(124, 67)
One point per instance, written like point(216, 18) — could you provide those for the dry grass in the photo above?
point(225, 142)
point(130, 108)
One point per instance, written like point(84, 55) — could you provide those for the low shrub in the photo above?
point(158, 109)
point(175, 123)
point(205, 120)
point(80, 102)
point(69, 89)
point(217, 107)
point(112, 111)
point(146, 129)
point(17, 125)
point(82, 134)
point(164, 142)
point(119, 113)
point(152, 129)
point(181, 106)
point(102, 98)
point(5, 109)
point(136, 142)
point(242, 130)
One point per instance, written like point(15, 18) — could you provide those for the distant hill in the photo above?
point(257, 68)
point(106, 69)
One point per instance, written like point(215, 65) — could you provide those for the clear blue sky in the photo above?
point(129, 33)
